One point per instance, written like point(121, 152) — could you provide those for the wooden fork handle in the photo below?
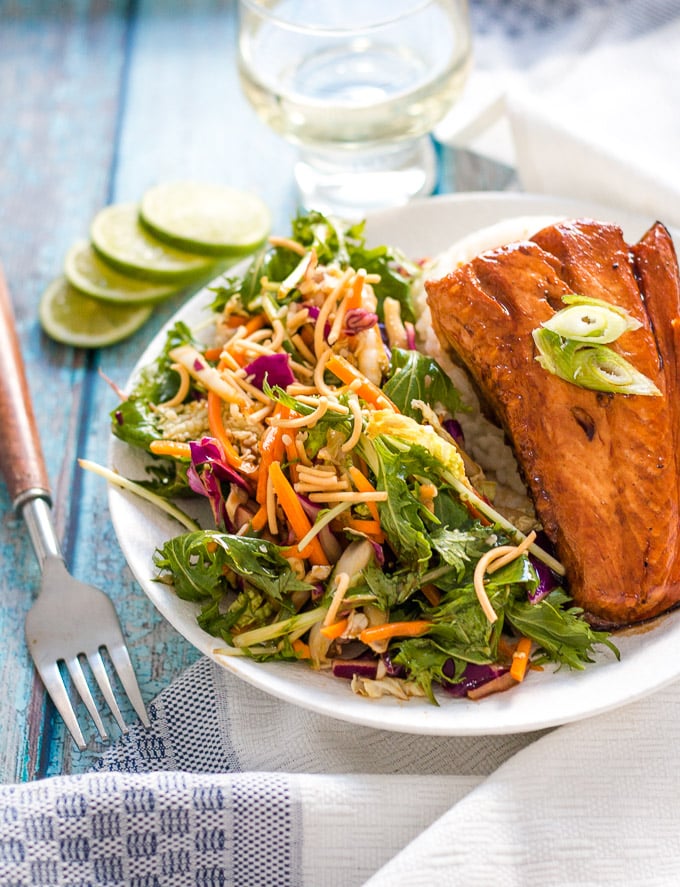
point(21, 458)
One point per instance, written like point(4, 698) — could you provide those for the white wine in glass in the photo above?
point(357, 85)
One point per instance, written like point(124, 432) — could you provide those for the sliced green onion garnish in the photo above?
point(595, 324)
point(119, 481)
point(266, 633)
point(295, 275)
point(577, 299)
point(596, 367)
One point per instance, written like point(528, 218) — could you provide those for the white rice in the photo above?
point(484, 441)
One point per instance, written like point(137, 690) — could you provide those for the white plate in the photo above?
point(649, 656)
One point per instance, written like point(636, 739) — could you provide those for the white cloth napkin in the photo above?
point(591, 100)
point(231, 786)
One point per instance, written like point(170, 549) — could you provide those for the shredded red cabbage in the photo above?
point(547, 581)
point(392, 670)
point(454, 428)
point(347, 668)
point(379, 552)
point(357, 320)
point(275, 368)
point(311, 509)
point(206, 473)
point(473, 676)
point(313, 314)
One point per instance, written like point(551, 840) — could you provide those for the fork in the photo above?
point(70, 622)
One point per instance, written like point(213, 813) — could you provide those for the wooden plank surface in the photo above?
point(99, 100)
point(59, 89)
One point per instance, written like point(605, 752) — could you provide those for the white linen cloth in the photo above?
point(233, 787)
point(591, 99)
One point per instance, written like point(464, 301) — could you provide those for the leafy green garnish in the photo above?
point(396, 276)
point(168, 479)
point(199, 563)
point(250, 608)
point(332, 241)
point(424, 661)
point(389, 589)
point(415, 376)
point(134, 420)
point(460, 549)
point(461, 634)
point(558, 629)
point(328, 237)
point(273, 263)
point(401, 515)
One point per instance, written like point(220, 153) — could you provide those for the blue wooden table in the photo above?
point(98, 101)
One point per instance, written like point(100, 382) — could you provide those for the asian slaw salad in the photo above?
point(349, 527)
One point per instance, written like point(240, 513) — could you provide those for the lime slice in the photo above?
point(119, 239)
point(210, 219)
point(86, 272)
point(74, 319)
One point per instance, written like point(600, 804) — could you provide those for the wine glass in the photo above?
point(357, 85)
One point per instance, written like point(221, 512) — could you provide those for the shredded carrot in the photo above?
point(363, 484)
point(174, 448)
point(366, 389)
point(497, 685)
point(394, 629)
point(520, 659)
point(292, 455)
point(217, 429)
point(254, 324)
point(432, 594)
point(333, 631)
point(354, 298)
point(292, 508)
point(301, 649)
point(236, 320)
point(369, 527)
point(427, 494)
point(271, 450)
point(213, 353)
point(259, 519)
point(476, 514)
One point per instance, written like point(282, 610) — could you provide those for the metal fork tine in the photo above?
point(75, 670)
point(102, 678)
point(126, 674)
point(54, 684)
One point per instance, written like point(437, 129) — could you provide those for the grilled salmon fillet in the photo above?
point(602, 469)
